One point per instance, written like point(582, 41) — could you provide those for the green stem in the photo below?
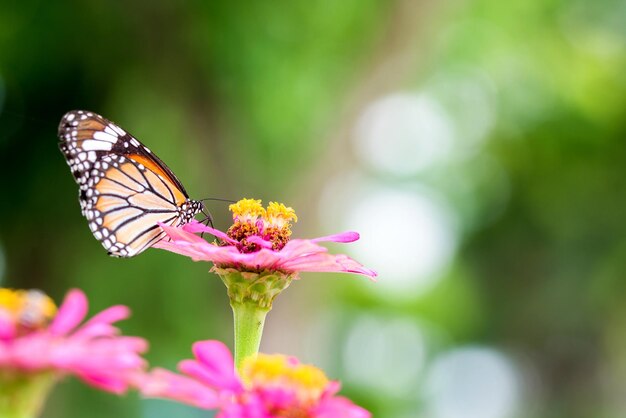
point(23, 396)
point(249, 320)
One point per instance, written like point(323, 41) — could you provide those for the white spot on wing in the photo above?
point(103, 136)
point(90, 145)
point(117, 129)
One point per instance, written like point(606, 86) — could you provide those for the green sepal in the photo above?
point(259, 288)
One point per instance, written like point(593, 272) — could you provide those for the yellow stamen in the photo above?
point(272, 224)
point(265, 370)
point(247, 209)
point(11, 300)
point(30, 308)
point(279, 214)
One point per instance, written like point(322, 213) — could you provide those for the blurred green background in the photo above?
point(478, 146)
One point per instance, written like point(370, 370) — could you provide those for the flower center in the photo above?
point(26, 309)
point(272, 225)
point(282, 372)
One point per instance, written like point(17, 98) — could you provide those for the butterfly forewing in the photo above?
point(125, 190)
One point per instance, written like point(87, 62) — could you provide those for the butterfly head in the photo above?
point(190, 209)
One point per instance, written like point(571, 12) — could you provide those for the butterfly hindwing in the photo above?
point(125, 190)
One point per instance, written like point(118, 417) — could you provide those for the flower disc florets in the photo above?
point(270, 227)
point(24, 311)
point(279, 372)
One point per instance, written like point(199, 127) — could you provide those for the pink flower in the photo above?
point(35, 339)
point(270, 386)
point(259, 240)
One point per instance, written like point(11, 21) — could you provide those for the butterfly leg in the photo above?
point(208, 220)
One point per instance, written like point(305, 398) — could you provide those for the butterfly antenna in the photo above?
point(218, 199)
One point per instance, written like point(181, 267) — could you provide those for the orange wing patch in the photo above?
point(132, 171)
point(154, 168)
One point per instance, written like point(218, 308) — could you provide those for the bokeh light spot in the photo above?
point(468, 96)
point(472, 382)
point(403, 134)
point(408, 237)
point(385, 354)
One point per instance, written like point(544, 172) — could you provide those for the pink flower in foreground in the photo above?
point(259, 240)
point(36, 340)
point(270, 386)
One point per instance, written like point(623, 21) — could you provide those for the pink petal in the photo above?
point(259, 241)
point(348, 236)
point(109, 384)
point(198, 227)
point(194, 227)
point(252, 407)
point(332, 388)
point(339, 407)
point(130, 344)
point(182, 248)
point(5, 354)
point(7, 325)
point(110, 315)
point(99, 325)
point(180, 234)
point(165, 384)
point(262, 259)
point(215, 365)
point(215, 355)
point(300, 247)
point(328, 263)
point(31, 351)
point(70, 314)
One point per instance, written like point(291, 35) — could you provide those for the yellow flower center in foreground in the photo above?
point(251, 218)
point(28, 309)
point(280, 371)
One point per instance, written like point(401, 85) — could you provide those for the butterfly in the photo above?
point(124, 189)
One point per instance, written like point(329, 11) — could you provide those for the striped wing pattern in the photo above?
point(124, 189)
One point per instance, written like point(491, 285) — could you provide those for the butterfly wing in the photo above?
point(124, 188)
